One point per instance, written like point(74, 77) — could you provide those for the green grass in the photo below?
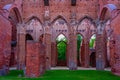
point(65, 75)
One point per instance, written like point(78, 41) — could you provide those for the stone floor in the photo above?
point(79, 68)
point(66, 68)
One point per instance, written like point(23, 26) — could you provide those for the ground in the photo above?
point(64, 75)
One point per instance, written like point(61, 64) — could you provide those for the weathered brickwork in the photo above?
point(35, 59)
point(5, 45)
point(43, 22)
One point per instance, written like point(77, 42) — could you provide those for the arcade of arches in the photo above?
point(29, 32)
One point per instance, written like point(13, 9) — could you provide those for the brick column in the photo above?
point(20, 47)
point(48, 50)
point(115, 67)
point(84, 54)
point(72, 46)
point(54, 54)
point(42, 58)
point(33, 59)
point(112, 51)
point(100, 47)
point(5, 45)
point(87, 56)
point(72, 52)
point(47, 38)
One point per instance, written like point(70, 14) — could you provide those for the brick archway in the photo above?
point(109, 32)
point(34, 27)
point(65, 60)
point(107, 7)
point(92, 47)
point(59, 26)
point(86, 28)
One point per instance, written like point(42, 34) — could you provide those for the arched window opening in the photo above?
point(79, 42)
point(92, 51)
point(29, 37)
point(73, 2)
point(46, 2)
point(92, 42)
point(61, 50)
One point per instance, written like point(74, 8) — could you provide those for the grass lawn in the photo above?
point(64, 75)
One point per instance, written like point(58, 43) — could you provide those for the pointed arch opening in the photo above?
point(59, 17)
point(34, 28)
point(79, 48)
point(59, 37)
point(61, 44)
point(92, 51)
point(29, 37)
point(14, 18)
point(59, 26)
point(107, 9)
point(85, 28)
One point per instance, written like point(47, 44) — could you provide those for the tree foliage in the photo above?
point(79, 40)
point(61, 46)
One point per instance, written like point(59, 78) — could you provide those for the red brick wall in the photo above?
point(116, 46)
point(35, 59)
point(5, 2)
point(5, 43)
point(32, 59)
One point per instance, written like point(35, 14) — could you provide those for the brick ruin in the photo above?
point(29, 28)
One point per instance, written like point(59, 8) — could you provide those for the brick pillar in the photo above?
point(20, 47)
point(12, 57)
point(42, 58)
point(33, 59)
point(100, 52)
point(101, 48)
point(5, 45)
point(87, 56)
point(112, 51)
point(54, 55)
point(47, 38)
point(82, 54)
point(115, 67)
point(48, 50)
point(67, 54)
point(72, 52)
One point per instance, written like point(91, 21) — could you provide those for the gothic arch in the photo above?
point(61, 34)
point(9, 8)
point(107, 7)
point(29, 37)
point(33, 17)
point(85, 17)
point(34, 27)
point(86, 26)
point(108, 28)
point(59, 26)
point(59, 17)
point(78, 33)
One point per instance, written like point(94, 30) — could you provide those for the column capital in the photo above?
point(100, 27)
point(20, 28)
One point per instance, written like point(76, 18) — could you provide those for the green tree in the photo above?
point(61, 47)
point(79, 40)
point(92, 41)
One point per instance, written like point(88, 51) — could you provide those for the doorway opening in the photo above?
point(92, 51)
point(79, 42)
point(61, 50)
